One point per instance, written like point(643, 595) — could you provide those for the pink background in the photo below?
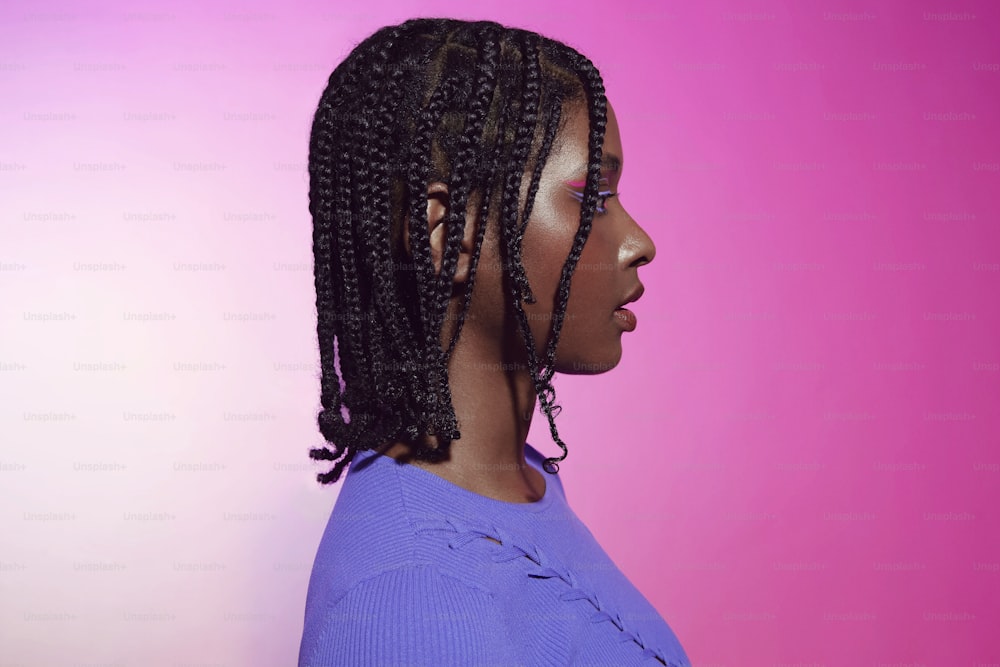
point(796, 460)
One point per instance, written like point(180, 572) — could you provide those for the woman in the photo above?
point(461, 173)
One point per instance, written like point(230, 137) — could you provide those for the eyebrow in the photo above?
point(609, 162)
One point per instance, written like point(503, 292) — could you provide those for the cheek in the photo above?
point(585, 298)
point(593, 278)
point(544, 254)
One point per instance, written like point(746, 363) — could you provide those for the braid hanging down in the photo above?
point(476, 104)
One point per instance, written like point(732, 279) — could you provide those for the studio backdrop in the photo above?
point(796, 459)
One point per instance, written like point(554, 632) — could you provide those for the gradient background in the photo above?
point(796, 460)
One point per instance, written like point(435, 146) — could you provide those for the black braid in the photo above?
point(485, 89)
point(597, 105)
point(429, 99)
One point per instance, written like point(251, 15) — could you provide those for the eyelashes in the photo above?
point(602, 197)
point(605, 196)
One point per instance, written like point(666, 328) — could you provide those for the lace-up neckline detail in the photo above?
point(537, 565)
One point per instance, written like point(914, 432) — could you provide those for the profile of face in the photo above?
point(606, 274)
point(605, 277)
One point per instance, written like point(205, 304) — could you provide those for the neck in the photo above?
point(494, 400)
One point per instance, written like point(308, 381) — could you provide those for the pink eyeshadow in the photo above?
point(580, 184)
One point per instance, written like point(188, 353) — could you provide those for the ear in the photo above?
point(438, 205)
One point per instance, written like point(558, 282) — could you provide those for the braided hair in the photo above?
point(474, 104)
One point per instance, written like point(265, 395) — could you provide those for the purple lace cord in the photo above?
point(508, 550)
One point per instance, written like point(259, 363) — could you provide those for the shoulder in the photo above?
point(414, 614)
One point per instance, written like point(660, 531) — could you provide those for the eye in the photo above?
point(602, 198)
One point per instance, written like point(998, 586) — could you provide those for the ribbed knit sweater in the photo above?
point(405, 575)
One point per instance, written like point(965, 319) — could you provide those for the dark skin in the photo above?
point(492, 391)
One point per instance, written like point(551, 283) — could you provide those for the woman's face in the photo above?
point(606, 274)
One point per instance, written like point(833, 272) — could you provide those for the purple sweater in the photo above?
point(403, 576)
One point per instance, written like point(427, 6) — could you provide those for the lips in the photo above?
point(634, 295)
point(624, 316)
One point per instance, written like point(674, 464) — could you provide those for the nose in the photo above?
point(638, 247)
